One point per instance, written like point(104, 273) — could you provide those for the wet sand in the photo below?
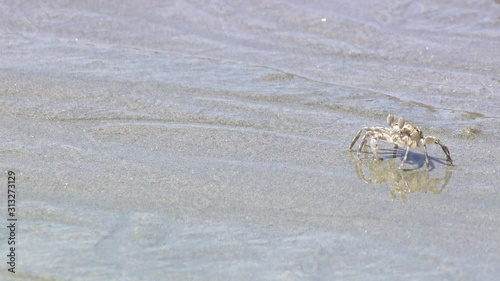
point(210, 142)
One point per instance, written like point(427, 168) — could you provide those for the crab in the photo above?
point(400, 134)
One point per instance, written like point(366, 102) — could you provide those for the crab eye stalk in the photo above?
point(390, 120)
point(401, 122)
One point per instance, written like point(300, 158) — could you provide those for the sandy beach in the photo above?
point(209, 141)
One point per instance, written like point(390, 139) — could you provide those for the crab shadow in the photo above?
point(402, 181)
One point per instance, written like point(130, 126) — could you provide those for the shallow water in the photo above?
point(209, 141)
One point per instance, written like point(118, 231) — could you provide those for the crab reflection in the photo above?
point(403, 182)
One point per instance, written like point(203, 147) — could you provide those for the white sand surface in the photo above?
point(209, 141)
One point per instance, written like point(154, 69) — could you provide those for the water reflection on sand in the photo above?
point(402, 181)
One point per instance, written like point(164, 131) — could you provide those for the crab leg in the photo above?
point(431, 139)
point(355, 139)
point(374, 146)
point(364, 140)
point(406, 156)
point(368, 129)
point(375, 136)
point(424, 148)
point(446, 152)
point(394, 151)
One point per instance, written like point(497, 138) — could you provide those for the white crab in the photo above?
point(400, 134)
